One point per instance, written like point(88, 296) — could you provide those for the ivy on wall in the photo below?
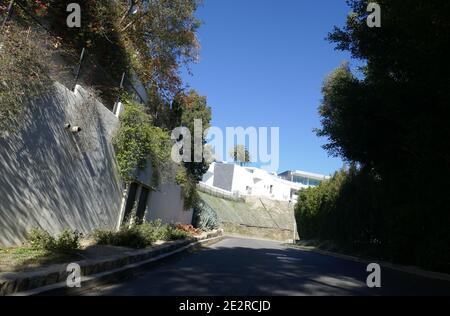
point(189, 188)
point(24, 73)
point(137, 141)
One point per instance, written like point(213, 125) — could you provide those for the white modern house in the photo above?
point(250, 181)
point(302, 177)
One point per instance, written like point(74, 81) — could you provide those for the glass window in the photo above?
point(301, 180)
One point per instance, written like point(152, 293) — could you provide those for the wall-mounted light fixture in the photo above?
point(75, 129)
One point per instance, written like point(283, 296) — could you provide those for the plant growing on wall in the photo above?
point(189, 187)
point(24, 73)
point(152, 39)
point(137, 141)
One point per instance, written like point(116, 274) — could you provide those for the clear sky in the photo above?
point(262, 64)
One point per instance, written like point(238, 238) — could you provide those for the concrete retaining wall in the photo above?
point(53, 179)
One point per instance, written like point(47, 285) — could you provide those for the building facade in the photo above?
point(250, 181)
point(302, 177)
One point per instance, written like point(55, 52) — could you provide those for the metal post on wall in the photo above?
point(118, 96)
point(9, 12)
point(77, 76)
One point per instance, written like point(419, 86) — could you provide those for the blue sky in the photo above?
point(262, 64)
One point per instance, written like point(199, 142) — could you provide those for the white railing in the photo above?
point(211, 190)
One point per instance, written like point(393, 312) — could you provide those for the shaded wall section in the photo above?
point(223, 176)
point(167, 204)
point(54, 179)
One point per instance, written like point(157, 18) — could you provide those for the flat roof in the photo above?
point(306, 174)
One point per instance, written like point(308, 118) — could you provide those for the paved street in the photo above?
point(253, 267)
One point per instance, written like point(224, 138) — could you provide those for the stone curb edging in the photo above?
point(97, 271)
point(397, 267)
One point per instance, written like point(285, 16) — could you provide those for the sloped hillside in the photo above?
point(255, 217)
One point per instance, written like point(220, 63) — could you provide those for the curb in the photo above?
point(282, 242)
point(397, 267)
point(52, 281)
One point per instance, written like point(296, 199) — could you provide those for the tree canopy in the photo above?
point(396, 115)
point(389, 119)
point(186, 108)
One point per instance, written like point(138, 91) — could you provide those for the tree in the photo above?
point(152, 39)
point(163, 35)
point(392, 120)
point(186, 108)
point(240, 154)
point(395, 116)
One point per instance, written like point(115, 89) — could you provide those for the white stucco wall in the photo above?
point(241, 180)
point(167, 204)
point(53, 179)
point(258, 180)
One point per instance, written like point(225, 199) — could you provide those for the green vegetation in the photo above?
point(186, 108)
point(189, 188)
point(138, 141)
point(153, 42)
point(254, 212)
point(41, 248)
point(205, 218)
point(139, 235)
point(24, 73)
point(25, 258)
point(390, 122)
point(67, 241)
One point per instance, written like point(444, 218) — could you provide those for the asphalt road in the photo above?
point(245, 267)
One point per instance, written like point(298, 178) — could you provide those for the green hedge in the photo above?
point(360, 213)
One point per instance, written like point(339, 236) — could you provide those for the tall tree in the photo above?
point(392, 118)
point(153, 39)
point(395, 116)
point(186, 109)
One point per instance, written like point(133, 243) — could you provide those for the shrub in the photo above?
point(188, 229)
point(173, 233)
point(205, 218)
point(131, 237)
point(67, 241)
point(139, 236)
point(40, 239)
point(358, 212)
